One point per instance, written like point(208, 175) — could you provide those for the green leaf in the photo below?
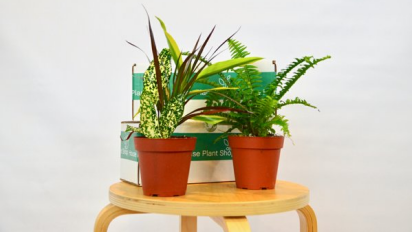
point(161, 23)
point(209, 110)
point(137, 113)
point(225, 65)
point(199, 91)
point(209, 119)
point(174, 48)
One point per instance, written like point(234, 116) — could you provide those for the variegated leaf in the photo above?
point(150, 95)
point(171, 115)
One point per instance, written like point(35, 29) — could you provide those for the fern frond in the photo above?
point(295, 101)
point(281, 76)
point(265, 107)
point(237, 50)
point(263, 103)
point(213, 99)
point(284, 72)
point(310, 62)
point(282, 122)
point(248, 77)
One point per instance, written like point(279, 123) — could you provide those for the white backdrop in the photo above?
point(65, 73)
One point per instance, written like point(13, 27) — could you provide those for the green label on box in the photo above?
point(137, 84)
point(137, 81)
point(206, 148)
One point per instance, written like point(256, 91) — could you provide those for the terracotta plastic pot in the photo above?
point(164, 165)
point(256, 161)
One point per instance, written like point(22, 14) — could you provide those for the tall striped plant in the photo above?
point(166, 92)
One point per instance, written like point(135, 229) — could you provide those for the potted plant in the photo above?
point(256, 148)
point(164, 160)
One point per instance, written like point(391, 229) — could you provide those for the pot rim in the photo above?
point(171, 138)
point(242, 136)
point(173, 144)
point(253, 142)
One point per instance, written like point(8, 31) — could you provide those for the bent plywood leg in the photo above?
point(307, 217)
point(106, 216)
point(233, 224)
point(188, 224)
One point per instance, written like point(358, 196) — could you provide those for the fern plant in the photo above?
point(263, 101)
point(166, 91)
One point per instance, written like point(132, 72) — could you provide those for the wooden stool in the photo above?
point(223, 202)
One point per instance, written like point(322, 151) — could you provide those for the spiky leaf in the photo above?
point(174, 48)
point(209, 119)
point(225, 65)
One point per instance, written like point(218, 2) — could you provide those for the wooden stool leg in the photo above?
point(106, 216)
point(307, 217)
point(188, 224)
point(233, 224)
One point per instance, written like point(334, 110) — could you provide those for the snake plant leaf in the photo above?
point(171, 115)
point(209, 119)
point(225, 65)
point(174, 48)
point(148, 118)
point(150, 96)
point(165, 68)
point(150, 78)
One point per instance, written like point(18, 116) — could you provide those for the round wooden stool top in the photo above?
point(213, 199)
